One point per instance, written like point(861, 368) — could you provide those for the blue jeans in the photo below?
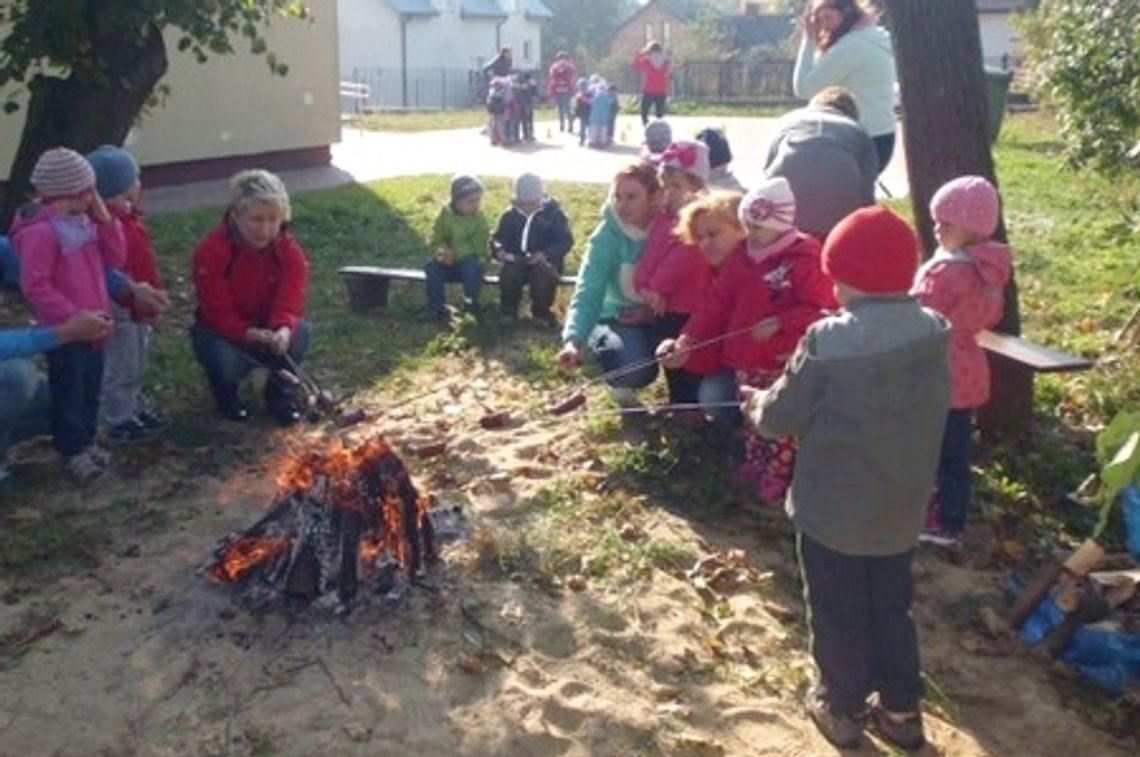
point(620, 346)
point(468, 271)
point(24, 403)
point(75, 379)
point(722, 387)
point(954, 469)
point(227, 364)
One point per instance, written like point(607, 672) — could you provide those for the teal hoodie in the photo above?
point(598, 295)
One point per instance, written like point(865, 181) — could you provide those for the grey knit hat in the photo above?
point(463, 185)
point(528, 188)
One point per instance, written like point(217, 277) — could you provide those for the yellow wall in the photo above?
point(233, 105)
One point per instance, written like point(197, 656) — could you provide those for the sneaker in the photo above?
point(84, 467)
point(624, 396)
point(905, 732)
point(939, 537)
point(129, 432)
point(546, 320)
point(233, 410)
point(285, 413)
point(841, 730)
point(102, 456)
point(150, 421)
point(472, 308)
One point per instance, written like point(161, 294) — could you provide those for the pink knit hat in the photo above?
point(771, 205)
point(61, 172)
point(689, 156)
point(968, 202)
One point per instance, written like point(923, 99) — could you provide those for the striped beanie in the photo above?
point(61, 172)
point(771, 205)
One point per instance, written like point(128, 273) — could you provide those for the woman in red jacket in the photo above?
point(250, 276)
point(653, 65)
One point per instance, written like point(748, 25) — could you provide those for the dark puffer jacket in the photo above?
point(547, 230)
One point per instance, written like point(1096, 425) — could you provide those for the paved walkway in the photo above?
point(367, 156)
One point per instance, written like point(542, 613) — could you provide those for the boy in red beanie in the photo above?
point(866, 394)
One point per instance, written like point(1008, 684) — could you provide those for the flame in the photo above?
point(244, 554)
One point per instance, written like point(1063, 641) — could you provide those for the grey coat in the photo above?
point(867, 395)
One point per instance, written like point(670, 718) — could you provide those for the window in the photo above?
point(648, 30)
point(526, 50)
point(666, 29)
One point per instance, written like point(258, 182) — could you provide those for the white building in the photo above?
point(428, 53)
point(1001, 45)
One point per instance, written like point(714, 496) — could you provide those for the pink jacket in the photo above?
point(654, 68)
point(677, 271)
point(62, 261)
point(966, 286)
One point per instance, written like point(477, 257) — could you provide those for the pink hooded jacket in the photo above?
point(62, 260)
point(966, 286)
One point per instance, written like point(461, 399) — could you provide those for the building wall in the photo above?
point(652, 23)
point(999, 39)
point(232, 105)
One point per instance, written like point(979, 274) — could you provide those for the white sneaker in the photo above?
point(84, 467)
point(624, 396)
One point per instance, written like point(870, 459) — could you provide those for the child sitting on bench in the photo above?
point(459, 238)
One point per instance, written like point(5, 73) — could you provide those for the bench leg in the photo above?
point(366, 292)
point(1009, 413)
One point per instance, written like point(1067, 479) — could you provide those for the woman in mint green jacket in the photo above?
point(606, 315)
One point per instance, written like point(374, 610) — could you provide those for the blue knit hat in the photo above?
point(115, 170)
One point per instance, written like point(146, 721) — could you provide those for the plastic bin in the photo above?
point(997, 89)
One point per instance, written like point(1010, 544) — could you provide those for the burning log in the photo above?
point(344, 518)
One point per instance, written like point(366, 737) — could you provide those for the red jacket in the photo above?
point(561, 79)
point(967, 286)
point(788, 284)
point(239, 287)
point(141, 265)
point(677, 271)
point(654, 68)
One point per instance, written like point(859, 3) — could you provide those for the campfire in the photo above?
point(345, 521)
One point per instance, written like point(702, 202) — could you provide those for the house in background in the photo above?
point(231, 112)
point(1001, 44)
point(670, 22)
point(428, 53)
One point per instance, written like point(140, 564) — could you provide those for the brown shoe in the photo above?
point(841, 730)
point(906, 734)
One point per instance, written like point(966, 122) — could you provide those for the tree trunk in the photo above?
point(938, 50)
point(82, 113)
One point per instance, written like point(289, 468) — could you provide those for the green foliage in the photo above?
point(582, 28)
point(1118, 452)
point(79, 36)
point(1087, 59)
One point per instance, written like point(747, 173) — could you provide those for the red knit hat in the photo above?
point(872, 250)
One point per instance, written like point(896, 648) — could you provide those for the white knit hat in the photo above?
point(61, 172)
point(771, 205)
point(688, 155)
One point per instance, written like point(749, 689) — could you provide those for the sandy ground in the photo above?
point(137, 655)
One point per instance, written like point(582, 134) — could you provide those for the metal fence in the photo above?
point(761, 82)
point(415, 88)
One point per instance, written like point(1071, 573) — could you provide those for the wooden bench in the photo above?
point(1013, 363)
point(368, 285)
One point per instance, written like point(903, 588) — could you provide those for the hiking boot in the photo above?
point(902, 730)
point(129, 432)
point(841, 730)
point(84, 467)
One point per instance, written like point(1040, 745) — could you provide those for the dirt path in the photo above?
point(620, 654)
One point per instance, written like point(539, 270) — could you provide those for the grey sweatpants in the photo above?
point(124, 359)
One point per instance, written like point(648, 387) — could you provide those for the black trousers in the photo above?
point(657, 102)
point(683, 385)
point(862, 634)
point(543, 282)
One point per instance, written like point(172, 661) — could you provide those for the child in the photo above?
point(615, 100)
point(123, 412)
point(672, 276)
point(531, 241)
point(866, 394)
point(582, 106)
point(526, 95)
point(601, 104)
point(658, 137)
point(460, 238)
point(963, 281)
point(497, 110)
point(772, 282)
point(251, 276)
point(64, 241)
point(720, 155)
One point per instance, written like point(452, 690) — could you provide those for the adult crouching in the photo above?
point(250, 275)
